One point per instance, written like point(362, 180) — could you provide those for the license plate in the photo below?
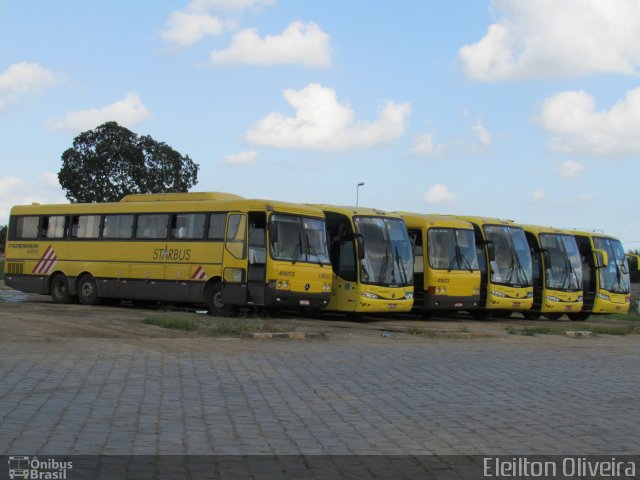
point(304, 303)
point(392, 305)
point(459, 304)
point(516, 304)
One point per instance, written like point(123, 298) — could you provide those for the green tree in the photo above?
point(3, 237)
point(111, 161)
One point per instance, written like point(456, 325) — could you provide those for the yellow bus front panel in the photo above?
point(556, 301)
point(298, 284)
point(455, 290)
point(608, 302)
point(501, 297)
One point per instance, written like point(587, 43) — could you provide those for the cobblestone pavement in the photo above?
point(346, 395)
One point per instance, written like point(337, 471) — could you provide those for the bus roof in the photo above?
point(179, 197)
point(590, 234)
point(422, 220)
point(196, 203)
point(486, 220)
point(537, 229)
point(355, 211)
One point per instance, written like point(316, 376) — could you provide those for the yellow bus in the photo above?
point(505, 267)
point(370, 252)
point(446, 275)
point(633, 260)
point(605, 275)
point(557, 272)
point(216, 249)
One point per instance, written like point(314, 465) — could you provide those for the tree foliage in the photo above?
point(3, 237)
point(111, 161)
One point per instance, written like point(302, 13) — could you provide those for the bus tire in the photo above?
point(214, 302)
point(60, 289)
point(578, 316)
point(88, 291)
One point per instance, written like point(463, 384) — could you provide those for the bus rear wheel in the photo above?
point(214, 302)
point(88, 291)
point(60, 289)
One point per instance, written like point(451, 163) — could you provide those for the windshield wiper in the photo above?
point(298, 249)
point(311, 250)
point(385, 261)
point(401, 265)
point(464, 260)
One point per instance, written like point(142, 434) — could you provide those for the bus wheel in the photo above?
point(214, 302)
point(578, 316)
point(553, 316)
point(60, 289)
point(88, 291)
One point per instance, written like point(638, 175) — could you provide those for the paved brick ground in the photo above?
point(365, 395)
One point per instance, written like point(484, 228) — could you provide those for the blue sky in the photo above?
point(521, 109)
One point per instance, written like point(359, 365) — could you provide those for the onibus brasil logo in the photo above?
point(34, 468)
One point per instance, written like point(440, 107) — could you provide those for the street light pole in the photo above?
point(358, 191)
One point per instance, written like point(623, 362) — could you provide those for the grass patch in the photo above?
point(187, 325)
point(242, 327)
point(631, 316)
point(419, 331)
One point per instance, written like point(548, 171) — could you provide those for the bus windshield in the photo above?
point(565, 269)
point(452, 249)
point(512, 265)
point(388, 259)
point(614, 277)
point(299, 239)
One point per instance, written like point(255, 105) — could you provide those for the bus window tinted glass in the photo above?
point(217, 222)
point(118, 226)
point(188, 225)
point(27, 227)
point(152, 226)
point(85, 226)
point(53, 226)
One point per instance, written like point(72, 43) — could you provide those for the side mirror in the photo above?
point(359, 245)
point(601, 258)
point(491, 250)
point(273, 232)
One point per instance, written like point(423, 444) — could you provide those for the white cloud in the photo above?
point(481, 133)
point(186, 29)
point(539, 196)
point(127, 112)
point(439, 194)
point(18, 191)
point(573, 123)
point(550, 38)
point(300, 43)
point(571, 168)
point(323, 123)
point(246, 157)
point(424, 146)
point(24, 78)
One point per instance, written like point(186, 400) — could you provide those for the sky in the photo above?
point(520, 109)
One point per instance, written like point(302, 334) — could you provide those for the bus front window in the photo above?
point(614, 277)
point(512, 264)
point(299, 239)
point(388, 259)
point(564, 271)
point(452, 249)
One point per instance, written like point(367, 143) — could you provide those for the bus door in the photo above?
point(344, 261)
point(235, 261)
point(257, 272)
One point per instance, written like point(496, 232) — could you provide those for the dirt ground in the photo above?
point(37, 318)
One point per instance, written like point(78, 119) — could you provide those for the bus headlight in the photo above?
point(282, 284)
point(476, 291)
point(551, 298)
point(498, 294)
point(627, 299)
point(408, 295)
point(369, 295)
point(602, 296)
point(326, 287)
point(441, 290)
point(529, 294)
point(580, 298)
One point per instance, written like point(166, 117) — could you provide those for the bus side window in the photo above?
point(26, 227)
point(53, 226)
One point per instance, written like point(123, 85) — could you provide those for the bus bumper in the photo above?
point(288, 299)
point(441, 302)
point(28, 283)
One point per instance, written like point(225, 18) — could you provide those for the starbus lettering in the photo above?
point(172, 254)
